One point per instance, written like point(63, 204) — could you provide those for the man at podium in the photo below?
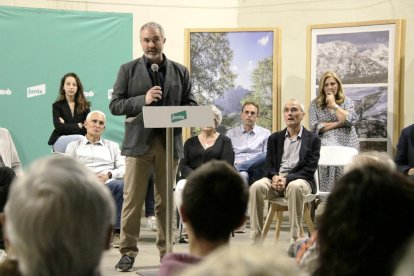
point(149, 80)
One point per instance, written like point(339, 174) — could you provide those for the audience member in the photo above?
point(208, 145)
point(306, 250)
point(332, 118)
point(405, 152)
point(291, 161)
point(8, 153)
point(214, 202)
point(236, 260)
point(366, 227)
point(6, 177)
point(249, 144)
point(135, 87)
point(69, 110)
point(58, 219)
point(103, 157)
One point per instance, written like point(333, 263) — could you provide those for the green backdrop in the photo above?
point(39, 46)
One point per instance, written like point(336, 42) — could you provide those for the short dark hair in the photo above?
point(215, 200)
point(366, 225)
point(250, 103)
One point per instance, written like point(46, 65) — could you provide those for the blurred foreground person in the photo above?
point(59, 219)
point(366, 226)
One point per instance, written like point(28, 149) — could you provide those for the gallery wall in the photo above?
point(292, 17)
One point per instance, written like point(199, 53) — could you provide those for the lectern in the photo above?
point(170, 117)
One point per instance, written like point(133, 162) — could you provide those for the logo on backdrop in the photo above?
point(110, 91)
point(89, 93)
point(6, 92)
point(37, 90)
point(178, 116)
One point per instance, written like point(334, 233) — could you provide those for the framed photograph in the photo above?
point(231, 66)
point(369, 59)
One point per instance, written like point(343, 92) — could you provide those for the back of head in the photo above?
point(378, 159)
point(58, 218)
point(366, 222)
point(215, 200)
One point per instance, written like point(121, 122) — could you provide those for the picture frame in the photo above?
point(229, 66)
point(369, 59)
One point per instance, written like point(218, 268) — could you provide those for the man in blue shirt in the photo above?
point(249, 144)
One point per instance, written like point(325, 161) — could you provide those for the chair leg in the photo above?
point(308, 219)
point(279, 224)
point(268, 222)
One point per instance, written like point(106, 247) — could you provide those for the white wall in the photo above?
point(293, 17)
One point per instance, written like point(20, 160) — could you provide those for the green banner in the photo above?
point(39, 46)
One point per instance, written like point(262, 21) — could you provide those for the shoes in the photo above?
point(152, 223)
point(116, 240)
point(183, 239)
point(125, 264)
point(241, 229)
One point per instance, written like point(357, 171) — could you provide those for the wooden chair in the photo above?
point(329, 156)
point(278, 206)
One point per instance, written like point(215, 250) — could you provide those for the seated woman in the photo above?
point(69, 112)
point(208, 145)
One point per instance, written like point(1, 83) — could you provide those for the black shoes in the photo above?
point(125, 264)
point(183, 239)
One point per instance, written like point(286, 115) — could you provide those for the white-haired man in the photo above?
point(59, 219)
point(291, 161)
point(103, 157)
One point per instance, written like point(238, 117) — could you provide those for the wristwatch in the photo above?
point(109, 175)
point(335, 107)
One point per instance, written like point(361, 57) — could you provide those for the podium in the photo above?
point(170, 117)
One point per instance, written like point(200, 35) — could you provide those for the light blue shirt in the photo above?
point(248, 144)
point(100, 157)
point(291, 150)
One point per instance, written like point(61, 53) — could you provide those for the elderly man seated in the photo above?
point(291, 161)
point(103, 157)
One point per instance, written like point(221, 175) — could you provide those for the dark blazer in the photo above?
point(308, 157)
point(128, 98)
point(62, 109)
point(404, 157)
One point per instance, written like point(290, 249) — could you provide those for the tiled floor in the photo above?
point(147, 261)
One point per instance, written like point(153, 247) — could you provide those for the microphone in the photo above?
point(156, 79)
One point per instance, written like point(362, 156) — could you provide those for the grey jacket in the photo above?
point(128, 98)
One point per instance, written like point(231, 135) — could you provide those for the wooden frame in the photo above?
point(219, 60)
point(369, 58)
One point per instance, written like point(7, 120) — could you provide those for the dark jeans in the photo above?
point(117, 190)
point(253, 167)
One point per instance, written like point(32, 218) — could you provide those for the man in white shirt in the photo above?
point(249, 144)
point(8, 153)
point(104, 158)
